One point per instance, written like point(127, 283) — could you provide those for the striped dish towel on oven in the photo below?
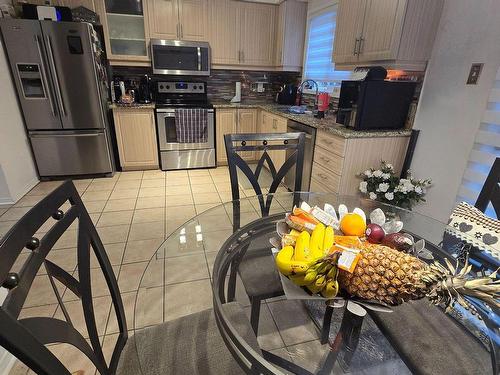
point(191, 125)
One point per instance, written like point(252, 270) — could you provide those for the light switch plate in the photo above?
point(475, 71)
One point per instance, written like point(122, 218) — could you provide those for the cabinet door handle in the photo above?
point(326, 160)
point(355, 52)
point(242, 56)
point(182, 31)
point(328, 142)
point(361, 45)
point(178, 33)
point(322, 176)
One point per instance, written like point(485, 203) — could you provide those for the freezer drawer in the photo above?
point(66, 154)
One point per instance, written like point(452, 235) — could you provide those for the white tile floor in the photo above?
point(134, 212)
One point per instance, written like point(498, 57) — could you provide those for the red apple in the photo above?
point(374, 233)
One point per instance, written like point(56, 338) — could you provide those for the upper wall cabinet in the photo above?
point(163, 19)
point(392, 33)
point(242, 34)
point(290, 35)
point(178, 19)
point(225, 32)
point(257, 34)
point(125, 29)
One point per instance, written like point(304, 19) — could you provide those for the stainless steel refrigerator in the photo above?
point(60, 82)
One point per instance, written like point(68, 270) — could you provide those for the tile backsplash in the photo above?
point(220, 83)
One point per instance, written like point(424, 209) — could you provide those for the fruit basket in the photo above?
point(324, 253)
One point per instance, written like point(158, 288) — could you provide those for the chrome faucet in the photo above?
point(310, 82)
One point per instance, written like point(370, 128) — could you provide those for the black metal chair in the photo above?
point(188, 345)
point(265, 283)
point(420, 320)
point(490, 193)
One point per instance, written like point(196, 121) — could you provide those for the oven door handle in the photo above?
point(169, 112)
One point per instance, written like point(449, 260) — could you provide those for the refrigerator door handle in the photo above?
point(94, 66)
point(54, 72)
point(64, 135)
point(44, 77)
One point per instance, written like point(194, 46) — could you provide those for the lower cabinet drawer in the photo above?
point(328, 178)
point(317, 186)
point(331, 143)
point(329, 160)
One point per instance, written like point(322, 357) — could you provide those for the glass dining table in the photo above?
point(191, 272)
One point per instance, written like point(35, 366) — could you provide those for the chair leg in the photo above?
point(255, 314)
point(325, 329)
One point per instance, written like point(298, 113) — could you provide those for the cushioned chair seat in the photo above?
point(188, 345)
point(430, 342)
point(259, 274)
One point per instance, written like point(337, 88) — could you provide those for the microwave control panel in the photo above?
point(181, 87)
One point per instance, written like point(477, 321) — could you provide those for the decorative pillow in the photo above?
point(471, 232)
point(474, 227)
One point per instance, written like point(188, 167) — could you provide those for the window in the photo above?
point(486, 148)
point(318, 64)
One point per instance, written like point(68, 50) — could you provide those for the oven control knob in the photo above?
point(195, 87)
point(161, 87)
point(168, 87)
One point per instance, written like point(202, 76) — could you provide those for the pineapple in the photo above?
point(393, 277)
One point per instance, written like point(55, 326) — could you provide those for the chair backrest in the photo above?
point(26, 337)
point(295, 142)
point(491, 190)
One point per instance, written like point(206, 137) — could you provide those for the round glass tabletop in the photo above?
point(199, 267)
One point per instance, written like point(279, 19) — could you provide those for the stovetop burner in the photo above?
point(182, 94)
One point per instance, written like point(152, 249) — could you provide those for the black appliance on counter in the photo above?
point(144, 94)
point(373, 103)
point(287, 94)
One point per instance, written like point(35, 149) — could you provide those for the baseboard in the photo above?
point(21, 193)
point(30, 185)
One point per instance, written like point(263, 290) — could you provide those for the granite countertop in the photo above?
point(327, 124)
point(132, 105)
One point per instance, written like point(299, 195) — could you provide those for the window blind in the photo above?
point(486, 148)
point(320, 38)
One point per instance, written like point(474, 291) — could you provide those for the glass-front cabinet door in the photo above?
point(126, 28)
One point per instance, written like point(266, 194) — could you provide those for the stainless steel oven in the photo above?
point(175, 154)
point(176, 57)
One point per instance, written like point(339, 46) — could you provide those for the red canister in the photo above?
point(323, 101)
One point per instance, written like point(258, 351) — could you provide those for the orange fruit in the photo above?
point(353, 225)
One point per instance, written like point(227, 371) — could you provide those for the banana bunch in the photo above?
point(322, 278)
point(305, 264)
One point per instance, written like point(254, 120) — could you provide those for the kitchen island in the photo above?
point(340, 154)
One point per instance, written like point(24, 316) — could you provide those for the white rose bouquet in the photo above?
point(383, 185)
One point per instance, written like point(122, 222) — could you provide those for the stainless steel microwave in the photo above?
point(176, 57)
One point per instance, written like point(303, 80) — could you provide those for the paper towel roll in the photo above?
point(237, 96)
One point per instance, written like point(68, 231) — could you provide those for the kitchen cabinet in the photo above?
point(257, 34)
point(242, 34)
point(225, 32)
point(338, 161)
point(271, 123)
point(126, 31)
point(225, 121)
point(247, 123)
point(398, 34)
point(233, 121)
point(136, 138)
point(178, 19)
point(193, 20)
point(290, 35)
point(163, 19)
